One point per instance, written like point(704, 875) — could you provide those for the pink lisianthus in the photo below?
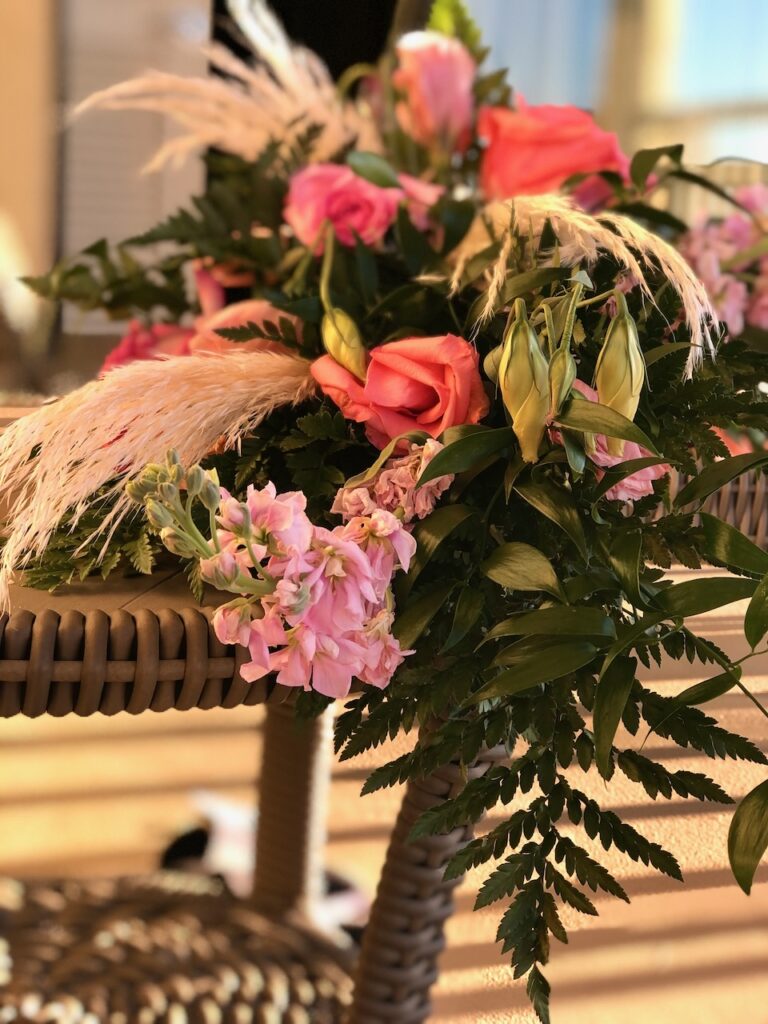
point(640, 483)
point(425, 384)
point(334, 194)
point(533, 150)
point(436, 74)
point(394, 487)
point(153, 342)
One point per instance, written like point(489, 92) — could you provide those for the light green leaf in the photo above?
point(756, 619)
point(724, 543)
point(469, 607)
point(519, 566)
point(556, 504)
point(409, 626)
point(417, 436)
point(599, 419)
point(748, 836)
point(451, 18)
point(588, 622)
point(373, 168)
point(718, 475)
point(548, 664)
point(661, 351)
point(466, 452)
point(694, 597)
point(429, 534)
point(611, 695)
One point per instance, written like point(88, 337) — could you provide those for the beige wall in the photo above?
point(28, 154)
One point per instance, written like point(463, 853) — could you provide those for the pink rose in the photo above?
point(415, 384)
point(151, 342)
point(532, 150)
point(420, 197)
point(640, 483)
point(334, 193)
point(256, 311)
point(436, 75)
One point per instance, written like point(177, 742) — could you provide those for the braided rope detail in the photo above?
point(405, 933)
point(98, 663)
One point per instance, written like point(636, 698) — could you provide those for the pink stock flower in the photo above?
point(425, 384)
point(334, 194)
point(640, 483)
point(383, 654)
point(436, 74)
point(153, 342)
point(232, 624)
point(532, 150)
point(279, 518)
point(394, 487)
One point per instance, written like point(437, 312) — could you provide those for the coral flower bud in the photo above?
point(562, 374)
point(524, 383)
point(343, 342)
point(620, 369)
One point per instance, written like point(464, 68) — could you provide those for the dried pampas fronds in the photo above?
point(287, 90)
point(55, 460)
point(582, 238)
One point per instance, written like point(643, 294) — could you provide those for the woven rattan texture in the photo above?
point(169, 949)
point(405, 934)
point(94, 662)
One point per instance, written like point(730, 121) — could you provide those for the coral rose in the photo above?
point(532, 150)
point(334, 193)
point(153, 342)
point(436, 74)
point(415, 384)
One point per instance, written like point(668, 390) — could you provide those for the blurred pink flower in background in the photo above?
point(352, 205)
point(420, 197)
point(435, 75)
point(148, 342)
point(533, 150)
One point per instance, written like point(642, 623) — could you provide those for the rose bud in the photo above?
point(524, 383)
point(620, 370)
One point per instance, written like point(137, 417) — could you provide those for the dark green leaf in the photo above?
point(610, 699)
point(469, 607)
point(589, 622)
point(417, 616)
point(556, 504)
point(466, 452)
point(710, 689)
point(718, 475)
point(725, 544)
point(538, 990)
point(661, 351)
point(624, 556)
point(748, 836)
point(620, 472)
point(599, 419)
point(519, 566)
point(644, 161)
point(429, 534)
point(694, 597)
point(548, 664)
point(756, 619)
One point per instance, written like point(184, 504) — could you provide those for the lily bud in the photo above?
point(343, 342)
point(620, 370)
point(158, 515)
point(195, 480)
point(210, 495)
point(168, 492)
point(562, 374)
point(524, 383)
point(176, 542)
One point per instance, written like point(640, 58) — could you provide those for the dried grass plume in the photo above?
point(57, 459)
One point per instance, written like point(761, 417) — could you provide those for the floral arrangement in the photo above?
point(408, 384)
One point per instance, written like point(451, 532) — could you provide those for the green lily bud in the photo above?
point(524, 383)
point(343, 341)
point(210, 495)
point(620, 370)
point(177, 543)
point(562, 374)
point(158, 515)
point(168, 492)
point(195, 480)
point(491, 363)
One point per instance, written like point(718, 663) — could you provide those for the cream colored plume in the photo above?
point(57, 459)
point(288, 89)
point(582, 238)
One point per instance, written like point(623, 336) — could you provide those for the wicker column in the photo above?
point(295, 776)
point(405, 933)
